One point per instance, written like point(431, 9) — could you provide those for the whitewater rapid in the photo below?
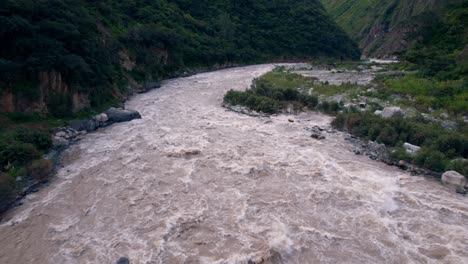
point(193, 183)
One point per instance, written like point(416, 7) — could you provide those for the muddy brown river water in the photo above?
point(194, 183)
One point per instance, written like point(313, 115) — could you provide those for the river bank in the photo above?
point(191, 182)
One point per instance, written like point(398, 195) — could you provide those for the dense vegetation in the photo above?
point(383, 27)
point(23, 141)
point(277, 91)
point(442, 149)
point(102, 48)
point(441, 50)
point(87, 41)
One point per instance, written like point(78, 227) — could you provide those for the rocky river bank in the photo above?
point(193, 183)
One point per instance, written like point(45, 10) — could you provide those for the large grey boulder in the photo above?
point(116, 115)
point(410, 148)
point(389, 112)
point(454, 179)
point(87, 125)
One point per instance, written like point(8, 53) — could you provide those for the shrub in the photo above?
point(310, 101)
point(40, 139)
point(439, 145)
point(431, 159)
point(7, 191)
point(40, 169)
point(17, 153)
point(388, 136)
point(458, 165)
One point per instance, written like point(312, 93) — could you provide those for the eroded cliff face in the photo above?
point(50, 84)
point(382, 28)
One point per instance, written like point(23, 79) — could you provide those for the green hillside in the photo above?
point(381, 26)
point(63, 56)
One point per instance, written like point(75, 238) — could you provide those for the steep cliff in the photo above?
point(62, 56)
point(384, 28)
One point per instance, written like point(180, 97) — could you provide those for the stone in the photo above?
point(454, 179)
point(123, 260)
point(389, 112)
point(101, 118)
point(61, 134)
point(410, 148)
point(88, 125)
point(59, 142)
point(122, 115)
point(403, 164)
point(317, 136)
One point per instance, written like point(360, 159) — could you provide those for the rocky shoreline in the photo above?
point(373, 150)
point(64, 137)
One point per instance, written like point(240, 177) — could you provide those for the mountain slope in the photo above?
point(381, 27)
point(63, 56)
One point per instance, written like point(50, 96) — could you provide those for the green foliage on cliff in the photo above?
point(387, 26)
point(88, 41)
point(442, 47)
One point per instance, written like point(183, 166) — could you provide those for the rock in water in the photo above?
point(454, 179)
point(122, 115)
point(123, 260)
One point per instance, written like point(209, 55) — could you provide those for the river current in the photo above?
point(193, 183)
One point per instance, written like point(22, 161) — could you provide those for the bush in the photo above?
point(17, 153)
point(431, 159)
point(7, 191)
point(458, 165)
point(40, 139)
point(40, 169)
point(439, 145)
point(310, 101)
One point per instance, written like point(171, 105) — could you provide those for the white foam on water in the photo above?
point(193, 183)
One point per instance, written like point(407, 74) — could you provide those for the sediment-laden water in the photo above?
point(193, 183)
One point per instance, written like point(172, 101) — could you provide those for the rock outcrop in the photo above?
point(116, 115)
point(454, 179)
point(410, 148)
point(389, 112)
point(111, 116)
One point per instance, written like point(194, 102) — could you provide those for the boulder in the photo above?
point(123, 260)
point(116, 115)
point(389, 112)
point(87, 125)
point(101, 118)
point(454, 179)
point(317, 136)
point(59, 142)
point(411, 149)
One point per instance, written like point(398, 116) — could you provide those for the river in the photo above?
point(193, 183)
